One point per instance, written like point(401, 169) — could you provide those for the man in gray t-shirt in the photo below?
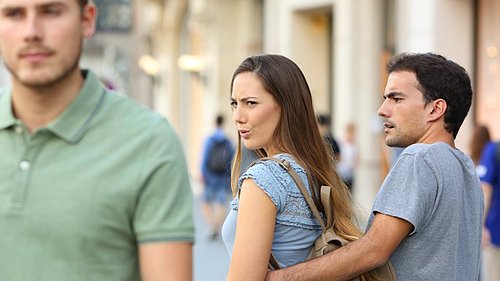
point(428, 213)
point(434, 188)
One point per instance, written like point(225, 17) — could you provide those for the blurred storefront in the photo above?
point(488, 66)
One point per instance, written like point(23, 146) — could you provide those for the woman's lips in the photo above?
point(245, 134)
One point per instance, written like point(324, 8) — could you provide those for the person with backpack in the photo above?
point(274, 115)
point(215, 168)
point(489, 174)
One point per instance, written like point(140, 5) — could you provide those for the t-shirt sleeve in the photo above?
point(409, 191)
point(164, 206)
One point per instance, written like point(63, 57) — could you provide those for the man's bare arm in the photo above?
point(369, 252)
point(168, 261)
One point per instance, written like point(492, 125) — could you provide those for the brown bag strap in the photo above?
point(326, 200)
point(285, 164)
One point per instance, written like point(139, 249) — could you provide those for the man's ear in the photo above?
point(437, 109)
point(89, 17)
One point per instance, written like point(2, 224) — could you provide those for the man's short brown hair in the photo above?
point(83, 3)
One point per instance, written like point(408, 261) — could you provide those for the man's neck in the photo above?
point(438, 134)
point(37, 107)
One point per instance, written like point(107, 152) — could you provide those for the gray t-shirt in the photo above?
point(435, 188)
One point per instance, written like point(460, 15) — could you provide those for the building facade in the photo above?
point(341, 45)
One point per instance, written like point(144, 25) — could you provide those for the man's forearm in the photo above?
point(369, 252)
point(342, 264)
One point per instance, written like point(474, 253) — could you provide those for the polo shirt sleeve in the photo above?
point(409, 191)
point(164, 206)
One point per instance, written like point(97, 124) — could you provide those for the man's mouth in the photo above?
point(35, 54)
point(388, 126)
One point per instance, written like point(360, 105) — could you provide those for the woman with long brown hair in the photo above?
point(274, 115)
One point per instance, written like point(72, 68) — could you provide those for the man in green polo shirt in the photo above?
point(92, 185)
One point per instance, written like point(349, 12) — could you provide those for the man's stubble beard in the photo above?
point(50, 82)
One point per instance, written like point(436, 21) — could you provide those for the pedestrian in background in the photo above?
point(216, 171)
point(324, 124)
point(428, 213)
point(273, 112)
point(489, 174)
point(480, 137)
point(92, 185)
point(349, 160)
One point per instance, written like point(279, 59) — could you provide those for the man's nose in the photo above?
point(382, 110)
point(32, 28)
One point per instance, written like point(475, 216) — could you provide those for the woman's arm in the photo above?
point(254, 234)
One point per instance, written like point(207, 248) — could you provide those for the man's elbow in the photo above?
point(376, 259)
point(376, 254)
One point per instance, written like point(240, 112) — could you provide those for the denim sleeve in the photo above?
point(291, 207)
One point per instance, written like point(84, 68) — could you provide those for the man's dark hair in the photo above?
point(439, 78)
point(219, 120)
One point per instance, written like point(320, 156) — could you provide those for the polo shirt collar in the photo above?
point(74, 122)
point(6, 117)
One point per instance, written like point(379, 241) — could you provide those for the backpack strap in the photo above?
point(285, 164)
point(326, 200)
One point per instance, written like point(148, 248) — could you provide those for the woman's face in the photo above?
point(255, 112)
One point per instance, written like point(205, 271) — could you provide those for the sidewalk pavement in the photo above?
point(211, 260)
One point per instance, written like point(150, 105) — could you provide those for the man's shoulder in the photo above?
point(131, 111)
point(427, 149)
point(124, 116)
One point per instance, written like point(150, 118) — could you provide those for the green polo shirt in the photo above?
point(78, 196)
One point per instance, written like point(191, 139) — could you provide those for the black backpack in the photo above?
point(219, 156)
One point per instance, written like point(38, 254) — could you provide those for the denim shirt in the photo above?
point(296, 228)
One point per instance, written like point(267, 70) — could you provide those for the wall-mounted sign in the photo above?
point(114, 15)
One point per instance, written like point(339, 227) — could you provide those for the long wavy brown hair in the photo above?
point(297, 134)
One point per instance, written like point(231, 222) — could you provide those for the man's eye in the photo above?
point(12, 14)
point(52, 11)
